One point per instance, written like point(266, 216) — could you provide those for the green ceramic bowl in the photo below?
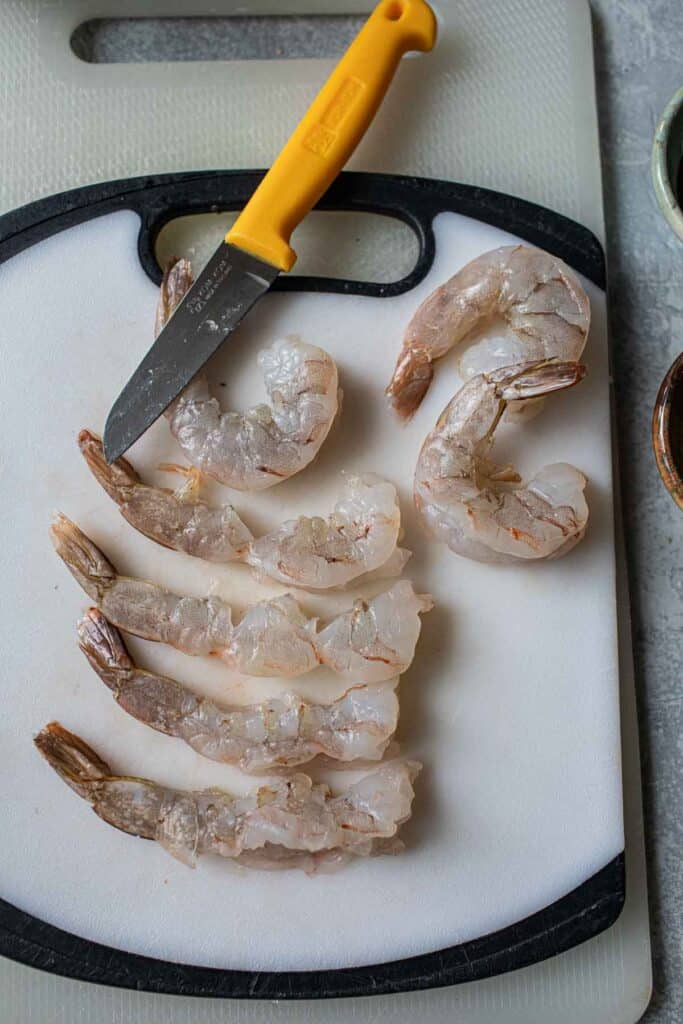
point(667, 156)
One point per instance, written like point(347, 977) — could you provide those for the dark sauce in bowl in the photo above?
point(676, 424)
point(667, 431)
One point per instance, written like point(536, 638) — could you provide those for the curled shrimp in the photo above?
point(359, 536)
point(371, 642)
point(457, 490)
point(545, 310)
point(282, 732)
point(289, 822)
point(263, 446)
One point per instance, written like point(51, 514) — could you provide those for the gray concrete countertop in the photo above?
point(638, 46)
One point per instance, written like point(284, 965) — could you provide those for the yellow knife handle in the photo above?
point(331, 129)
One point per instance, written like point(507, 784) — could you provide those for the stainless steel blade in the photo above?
point(228, 286)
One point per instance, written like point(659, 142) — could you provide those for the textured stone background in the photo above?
point(639, 58)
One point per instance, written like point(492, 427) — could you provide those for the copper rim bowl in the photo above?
point(667, 431)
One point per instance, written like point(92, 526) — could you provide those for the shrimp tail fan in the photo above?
point(73, 760)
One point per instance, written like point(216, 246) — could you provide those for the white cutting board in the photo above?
point(497, 60)
point(512, 702)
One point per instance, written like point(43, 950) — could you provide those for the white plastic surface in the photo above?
point(512, 701)
point(499, 102)
point(96, 127)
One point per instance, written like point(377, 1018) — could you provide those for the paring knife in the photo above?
point(257, 247)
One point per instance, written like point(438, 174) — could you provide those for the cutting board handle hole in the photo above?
point(345, 245)
point(254, 37)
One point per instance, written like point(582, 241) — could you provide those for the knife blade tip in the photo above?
point(115, 442)
point(112, 451)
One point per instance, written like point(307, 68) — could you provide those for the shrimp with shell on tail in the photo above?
point(286, 823)
point(543, 307)
point(282, 732)
point(372, 641)
point(317, 553)
point(269, 443)
point(465, 500)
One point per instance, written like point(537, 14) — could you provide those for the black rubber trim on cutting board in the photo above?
point(584, 912)
point(587, 910)
point(160, 198)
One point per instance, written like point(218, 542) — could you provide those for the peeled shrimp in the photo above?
point(545, 310)
point(359, 536)
point(287, 823)
point(456, 484)
point(265, 445)
point(280, 733)
point(179, 520)
point(371, 642)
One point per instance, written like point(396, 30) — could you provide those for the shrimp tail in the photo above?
point(104, 648)
point(129, 804)
point(410, 382)
point(118, 479)
point(73, 760)
point(175, 285)
point(82, 558)
point(158, 702)
point(534, 380)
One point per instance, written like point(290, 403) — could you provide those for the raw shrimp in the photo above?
point(280, 733)
point(359, 536)
point(287, 823)
point(544, 307)
point(375, 639)
point(179, 520)
point(265, 445)
point(456, 490)
point(371, 642)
